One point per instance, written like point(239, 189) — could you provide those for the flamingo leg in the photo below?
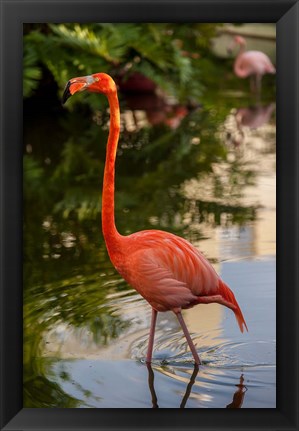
point(151, 336)
point(252, 84)
point(188, 338)
point(258, 84)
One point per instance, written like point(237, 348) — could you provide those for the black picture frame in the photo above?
point(16, 12)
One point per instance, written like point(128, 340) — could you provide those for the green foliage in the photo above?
point(33, 177)
point(169, 54)
point(32, 71)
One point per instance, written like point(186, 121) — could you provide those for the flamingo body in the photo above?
point(168, 271)
point(253, 63)
point(165, 269)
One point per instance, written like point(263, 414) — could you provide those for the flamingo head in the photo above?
point(240, 40)
point(237, 40)
point(96, 83)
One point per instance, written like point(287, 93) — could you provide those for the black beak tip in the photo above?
point(66, 93)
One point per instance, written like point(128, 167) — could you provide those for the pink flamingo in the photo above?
point(169, 272)
point(251, 63)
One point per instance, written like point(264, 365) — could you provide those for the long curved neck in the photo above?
point(241, 49)
point(238, 61)
point(110, 232)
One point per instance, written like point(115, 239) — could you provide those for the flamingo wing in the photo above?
point(170, 273)
point(157, 283)
point(167, 270)
point(253, 62)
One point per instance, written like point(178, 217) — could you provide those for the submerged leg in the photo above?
point(151, 336)
point(252, 80)
point(189, 387)
point(258, 84)
point(151, 377)
point(188, 338)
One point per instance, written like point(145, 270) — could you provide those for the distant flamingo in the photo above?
point(251, 63)
point(165, 269)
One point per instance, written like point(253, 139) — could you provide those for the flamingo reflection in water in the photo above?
point(244, 119)
point(238, 396)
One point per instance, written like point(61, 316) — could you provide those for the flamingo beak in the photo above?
point(66, 93)
point(73, 86)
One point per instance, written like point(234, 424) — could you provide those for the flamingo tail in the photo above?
point(231, 301)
